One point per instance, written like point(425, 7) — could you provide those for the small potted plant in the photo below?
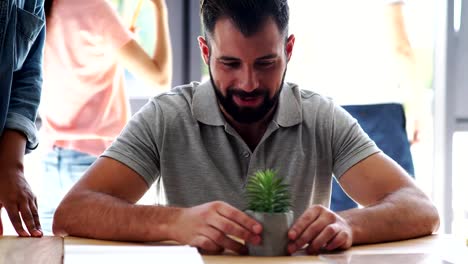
point(269, 202)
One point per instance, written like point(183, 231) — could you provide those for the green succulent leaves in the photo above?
point(268, 193)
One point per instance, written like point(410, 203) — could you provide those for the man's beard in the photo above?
point(246, 115)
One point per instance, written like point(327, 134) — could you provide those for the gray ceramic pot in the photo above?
point(274, 235)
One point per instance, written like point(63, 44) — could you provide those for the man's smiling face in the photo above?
point(247, 72)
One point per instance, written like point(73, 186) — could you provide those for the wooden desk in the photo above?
point(31, 250)
point(431, 249)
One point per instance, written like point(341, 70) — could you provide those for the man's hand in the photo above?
point(322, 229)
point(212, 226)
point(15, 193)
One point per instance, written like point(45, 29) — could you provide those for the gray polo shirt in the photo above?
point(182, 140)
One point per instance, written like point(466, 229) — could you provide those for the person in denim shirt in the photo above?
point(22, 35)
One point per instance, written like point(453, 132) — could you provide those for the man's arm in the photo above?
point(158, 69)
point(394, 209)
point(102, 205)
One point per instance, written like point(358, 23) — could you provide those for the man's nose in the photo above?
point(249, 80)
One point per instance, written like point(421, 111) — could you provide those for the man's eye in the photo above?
point(231, 64)
point(264, 63)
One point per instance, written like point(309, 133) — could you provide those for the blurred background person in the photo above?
point(359, 54)
point(85, 105)
point(381, 111)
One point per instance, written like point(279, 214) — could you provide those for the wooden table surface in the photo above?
point(31, 250)
point(441, 249)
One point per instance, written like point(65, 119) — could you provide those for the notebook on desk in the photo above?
point(88, 254)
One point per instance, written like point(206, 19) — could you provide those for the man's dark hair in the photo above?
point(247, 15)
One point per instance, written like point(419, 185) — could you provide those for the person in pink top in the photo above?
point(84, 102)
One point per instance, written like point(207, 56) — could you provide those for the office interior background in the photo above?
point(437, 33)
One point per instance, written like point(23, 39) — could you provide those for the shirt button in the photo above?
point(246, 154)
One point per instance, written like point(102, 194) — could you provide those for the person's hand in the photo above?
point(19, 202)
point(15, 193)
point(213, 227)
point(322, 229)
point(414, 133)
point(134, 29)
point(159, 2)
point(160, 5)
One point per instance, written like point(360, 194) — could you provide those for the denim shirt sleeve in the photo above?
point(27, 83)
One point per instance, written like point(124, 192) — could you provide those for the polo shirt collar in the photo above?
point(206, 110)
point(205, 105)
point(289, 111)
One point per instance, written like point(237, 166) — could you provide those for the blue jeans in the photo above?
point(62, 168)
point(386, 125)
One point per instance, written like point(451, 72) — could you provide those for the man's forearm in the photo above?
point(407, 213)
point(101, 216)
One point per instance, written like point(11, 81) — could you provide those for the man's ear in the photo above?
point(204, 49)
point(290, 46)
